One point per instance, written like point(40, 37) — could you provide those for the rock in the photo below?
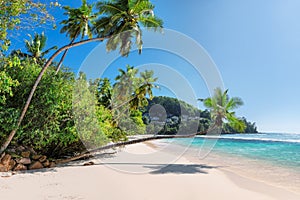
point(46, 163)
point(88, 163)
point(25, 154)
point(32, 151)
point(12, 164)
point(36, 165)
point(3, 168)
point(43, 159)
point(52, 164)
point(20, 167)
point(36, 157)
point(24, 161)
point(6, 160)
point(20, 148)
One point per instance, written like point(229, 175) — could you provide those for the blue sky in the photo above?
point(255, 45)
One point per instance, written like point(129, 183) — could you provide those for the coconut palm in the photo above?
point(35, 48)
point(221, 107)
point(147, 84)
point(124, 88)
point(122, 20)
point(79, 23)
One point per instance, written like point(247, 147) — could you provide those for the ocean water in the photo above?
point(269, 157)
point(277, 148)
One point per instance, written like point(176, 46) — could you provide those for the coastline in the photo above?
point(263, 172)
point(113, 177)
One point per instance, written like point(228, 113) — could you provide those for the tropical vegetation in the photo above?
point(44, 106)
point(119, 35)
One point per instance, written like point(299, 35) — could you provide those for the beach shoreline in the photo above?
point(113, 177)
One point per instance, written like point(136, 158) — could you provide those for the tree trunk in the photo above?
point(120, 144)
point(61, 61)
point(47, 64)
point(64, 55)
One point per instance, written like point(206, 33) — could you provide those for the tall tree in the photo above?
point(103, 31)
point(221, 107)
point(79, 23)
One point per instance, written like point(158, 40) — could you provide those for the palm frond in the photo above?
point(48, 50)
point(151, 22)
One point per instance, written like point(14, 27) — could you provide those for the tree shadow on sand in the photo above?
point(180, 169)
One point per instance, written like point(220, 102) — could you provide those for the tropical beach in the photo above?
point(183, 179)
point(148, 99)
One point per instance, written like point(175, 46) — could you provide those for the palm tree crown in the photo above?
point(79, 21)
point(222, 107)
point(122, 20)
point(36, 44)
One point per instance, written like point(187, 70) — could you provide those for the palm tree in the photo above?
point(147, 84)
point(35, 48)
point(131, 90)
point(122, 20)
point(78, 24)
point(119, 16)
point(221, 107)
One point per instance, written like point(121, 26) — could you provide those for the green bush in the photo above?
point(48, 126)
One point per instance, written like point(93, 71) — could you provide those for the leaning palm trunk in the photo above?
point(121, 144)
point(61, 61)
point(64, 56)
point(47, 64)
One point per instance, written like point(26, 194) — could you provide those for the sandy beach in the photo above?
point(121, 176)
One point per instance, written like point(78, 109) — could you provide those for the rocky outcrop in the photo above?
point(24, 160)
point(20, 167)
point(36, 165)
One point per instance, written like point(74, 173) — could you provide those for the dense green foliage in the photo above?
point(124, 101)
point(67, 111)
point(48, 125)
point(68, 114)
point(181, 116)
point(118, 30)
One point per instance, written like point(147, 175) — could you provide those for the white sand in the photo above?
point(181, 180)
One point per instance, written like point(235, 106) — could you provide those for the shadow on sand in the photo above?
point(180, 169)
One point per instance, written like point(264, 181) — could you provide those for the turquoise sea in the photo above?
point(277, 148)
point(269, 157)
